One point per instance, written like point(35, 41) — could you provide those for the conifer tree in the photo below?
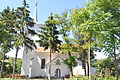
point(48, 35)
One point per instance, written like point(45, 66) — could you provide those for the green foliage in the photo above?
point(1, 53)
point(65, 30)
point(7, 34)
point(15, 25)
point(105, 66)
point(110, 34)
point(18, 64)
point(93, 78)
point(64, 23)
point(49, 34)
point(95, 18)
point(79, 78)
point(71, 61)
point(99, 20)
point(8, 65)
point(23, 27)
point(66, 48)
point(110, 29)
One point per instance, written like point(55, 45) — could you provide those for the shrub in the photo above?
point(93, 78)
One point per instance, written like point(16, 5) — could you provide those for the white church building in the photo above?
point(36, 62)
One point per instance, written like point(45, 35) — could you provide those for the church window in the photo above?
point(42, 63)
point(58, 62)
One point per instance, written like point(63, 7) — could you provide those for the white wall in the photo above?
point(63, 68)
point(78, 69)
point(36, 65)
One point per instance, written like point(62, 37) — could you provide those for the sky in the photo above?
point(45, 7)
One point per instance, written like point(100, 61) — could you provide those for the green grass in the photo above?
point(20, 79)
point(74, 78)
point(27, 79)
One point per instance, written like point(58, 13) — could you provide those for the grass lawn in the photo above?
point(29, 79)
point(21, 79)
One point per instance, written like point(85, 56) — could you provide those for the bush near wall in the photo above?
point(93, 78)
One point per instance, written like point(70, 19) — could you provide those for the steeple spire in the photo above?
point(35, 13)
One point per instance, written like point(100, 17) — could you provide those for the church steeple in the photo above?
point(35, 17)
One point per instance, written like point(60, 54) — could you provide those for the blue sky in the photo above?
point(45, 7)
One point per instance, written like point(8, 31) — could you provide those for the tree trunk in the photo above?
point(71, 70)
point(89, 60)
point(116, 66)
point(85, 68)
point(15, 60)
point(85, 71)
point(84, 61)
point(49, 77)
point(1, 70)
point(3, 62)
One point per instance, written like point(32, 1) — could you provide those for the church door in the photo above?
point(58, 73)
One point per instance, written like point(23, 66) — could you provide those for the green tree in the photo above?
point(6, 46)
point(110, 45)
point(77, 15)
point(49, 37)
point(92, 20)
point(18, 64)
point(111, 39)
point(8, 66)
point(82, 44)
point(105, 66)
point(6, 31)
point(73, 41)
point(64, 24)
point(23, 28)
point(68, 47)
point(71, 62)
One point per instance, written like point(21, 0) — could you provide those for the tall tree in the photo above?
point(9, 18)
point(6, 18)
point(71, 61)
point(23, 28)
point(82, 43)
point(111, 31)
point(87, 24)
point(68, 46)
point(73, 41)
point(97, 18)
point(6, 45)
point(110, 46)
point(49, 37)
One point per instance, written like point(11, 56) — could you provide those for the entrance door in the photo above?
point(58, 73)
